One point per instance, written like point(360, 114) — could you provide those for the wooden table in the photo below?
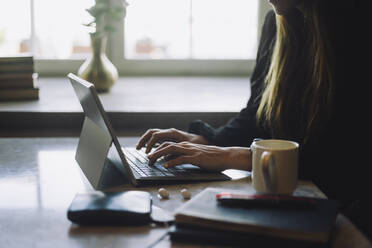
point(39, 178)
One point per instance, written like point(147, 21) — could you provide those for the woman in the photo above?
point(302, 90)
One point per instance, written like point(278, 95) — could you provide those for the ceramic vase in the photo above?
point(98, 69)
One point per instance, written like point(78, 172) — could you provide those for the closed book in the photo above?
point(16, 68)
point(16, 75)
point(302, 224)
point(16, 59)
point(210, 236)
point(16, 83)
point(20, 64)
point(19, 94)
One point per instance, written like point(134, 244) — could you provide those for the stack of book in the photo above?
point(18, 79)
point(204, 220)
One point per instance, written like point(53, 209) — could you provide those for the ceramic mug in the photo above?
point(274, 166)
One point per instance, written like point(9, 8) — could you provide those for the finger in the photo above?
point(159, 137)
point(180, 160)
point(164, 144)
point(155, 137)
point(168, 143)
point(170, 157)
point(145, 137)
point(164, 158)
point(173, 149)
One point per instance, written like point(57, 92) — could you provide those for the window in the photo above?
point(59, 30)
point(157, 37)
point(15, 28)
point(199, 29)
point(47, 29)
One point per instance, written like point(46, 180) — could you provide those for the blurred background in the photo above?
point(152, 29)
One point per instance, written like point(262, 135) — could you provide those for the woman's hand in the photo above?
point(204, 156)
point(153, 136)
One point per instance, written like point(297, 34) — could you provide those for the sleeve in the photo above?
point(242, 129)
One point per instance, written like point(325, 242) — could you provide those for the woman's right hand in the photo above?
point(153, 136)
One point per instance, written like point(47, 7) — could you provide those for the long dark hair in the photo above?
point(299, 84)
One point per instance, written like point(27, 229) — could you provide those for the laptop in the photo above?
point(99, 147)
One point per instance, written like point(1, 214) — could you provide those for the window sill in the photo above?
point(133, 104)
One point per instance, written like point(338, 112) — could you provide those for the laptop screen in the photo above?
point(95, 144)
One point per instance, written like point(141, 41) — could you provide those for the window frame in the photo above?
point(154, 67)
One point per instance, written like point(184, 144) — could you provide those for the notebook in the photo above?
point(303, 224)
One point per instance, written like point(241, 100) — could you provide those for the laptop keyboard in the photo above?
point(138, 161)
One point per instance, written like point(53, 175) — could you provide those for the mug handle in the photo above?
point(267, 165)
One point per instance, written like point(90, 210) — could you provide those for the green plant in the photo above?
point(105, 14)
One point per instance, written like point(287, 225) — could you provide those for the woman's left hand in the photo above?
point(205, 156)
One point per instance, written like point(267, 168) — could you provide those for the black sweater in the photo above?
point(333, 160)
